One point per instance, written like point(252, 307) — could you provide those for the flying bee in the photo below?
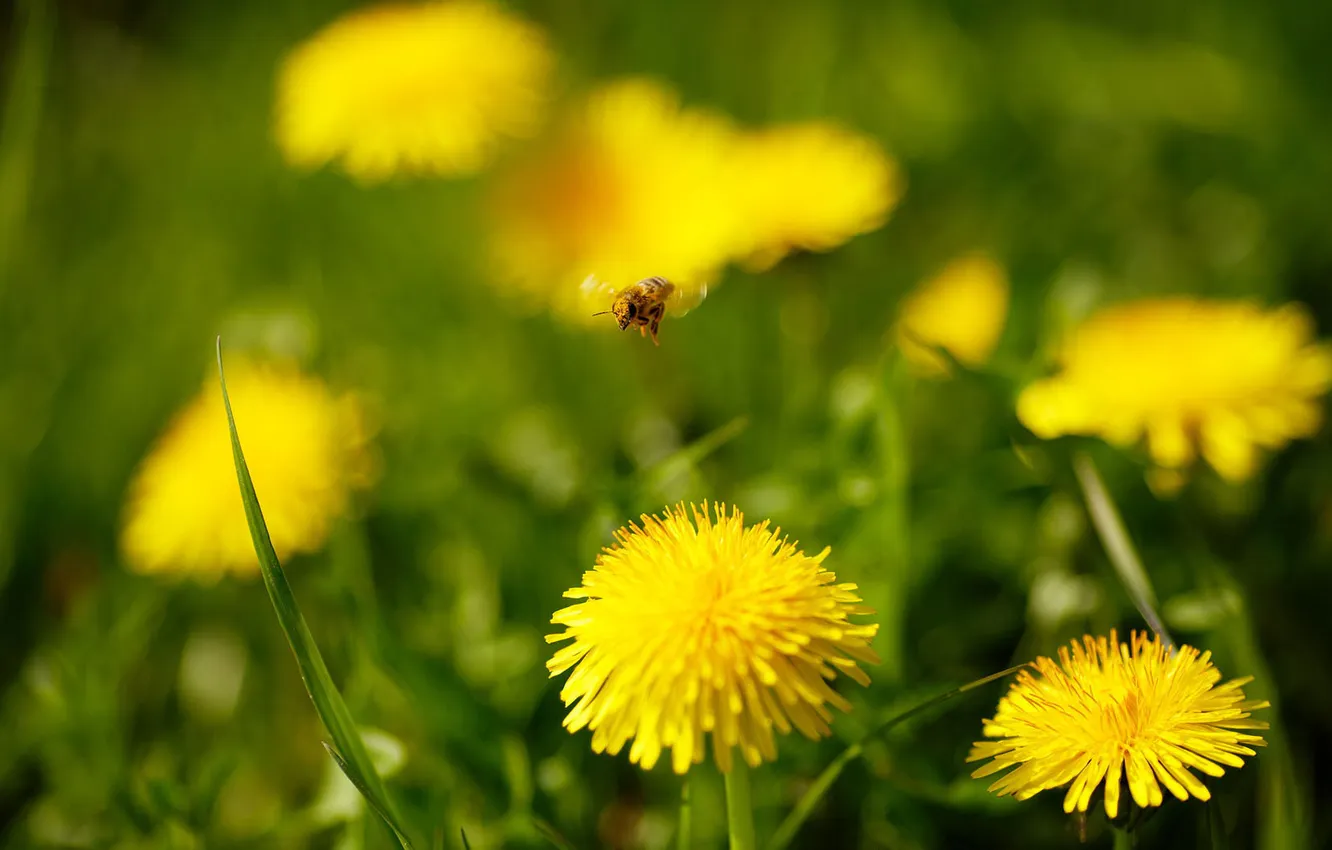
point(643, 305)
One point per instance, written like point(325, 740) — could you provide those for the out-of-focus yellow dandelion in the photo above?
point(811, 186)
point(1188, 374)
point(635, 187)
point(424, 88)
point(307, 450)
point(694, 624)
point(1108, 711)
point(962, 309)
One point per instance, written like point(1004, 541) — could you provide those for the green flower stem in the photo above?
point(739, 807)
point(1124, 839)
point(685, 827)
point(1110, 527)
point(893, 518)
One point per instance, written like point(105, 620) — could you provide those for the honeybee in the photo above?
point(644, 304)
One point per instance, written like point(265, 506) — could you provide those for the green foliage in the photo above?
point(1102, 152)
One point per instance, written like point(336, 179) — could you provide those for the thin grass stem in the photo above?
point(34, 32)
point(1118, 545)
point(807, 803)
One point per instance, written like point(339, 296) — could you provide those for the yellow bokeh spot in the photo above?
point(810, 186)
point(307, 450)
point(634, 186)
point(1191, 377)
point(425, 88)
point(962, 309)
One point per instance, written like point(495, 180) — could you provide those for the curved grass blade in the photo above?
point(351, 754)
point(1118, 545)
point(380, 805)
point(466, 845)
point(689, 456)
point(805, 807)
point(551, 834)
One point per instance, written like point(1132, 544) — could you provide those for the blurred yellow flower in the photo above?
point(962, 309)
point(425, 88)
point(1110, 711)
point(635, 187)
point(694, 625)
point(307, 450)
point(1188, 374)
point(811, 186)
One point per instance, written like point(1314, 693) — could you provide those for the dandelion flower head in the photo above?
point(1107, 711)
point(1223, 378)
point(307, 450)
point(811, 186)
point(424, 88)
point(635, 187)
point(961, 309)
point(693, 624)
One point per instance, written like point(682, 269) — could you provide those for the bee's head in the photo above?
point(625, 312)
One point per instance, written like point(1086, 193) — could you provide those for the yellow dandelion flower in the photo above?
point(307, 450)
point(694, 625)
point(426, 88)
point(635, 187)
point(811, 186)
point(962, 309)
point(1110, 711)
point(1222, 377)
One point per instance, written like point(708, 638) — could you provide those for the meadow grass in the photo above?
point(1100, 156)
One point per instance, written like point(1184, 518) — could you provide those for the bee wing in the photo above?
point(594, 288)
point(686, 297)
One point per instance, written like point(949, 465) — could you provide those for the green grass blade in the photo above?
point(28, 68)
point(1285, 799)
point(1118, 545)
point(1216, 827)
point(551, 834)
point(805, 806)
point(351, 754)
point(466, 844)
point(688, 457)
point(379, 804)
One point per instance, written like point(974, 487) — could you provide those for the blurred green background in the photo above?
point(1099, 153)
